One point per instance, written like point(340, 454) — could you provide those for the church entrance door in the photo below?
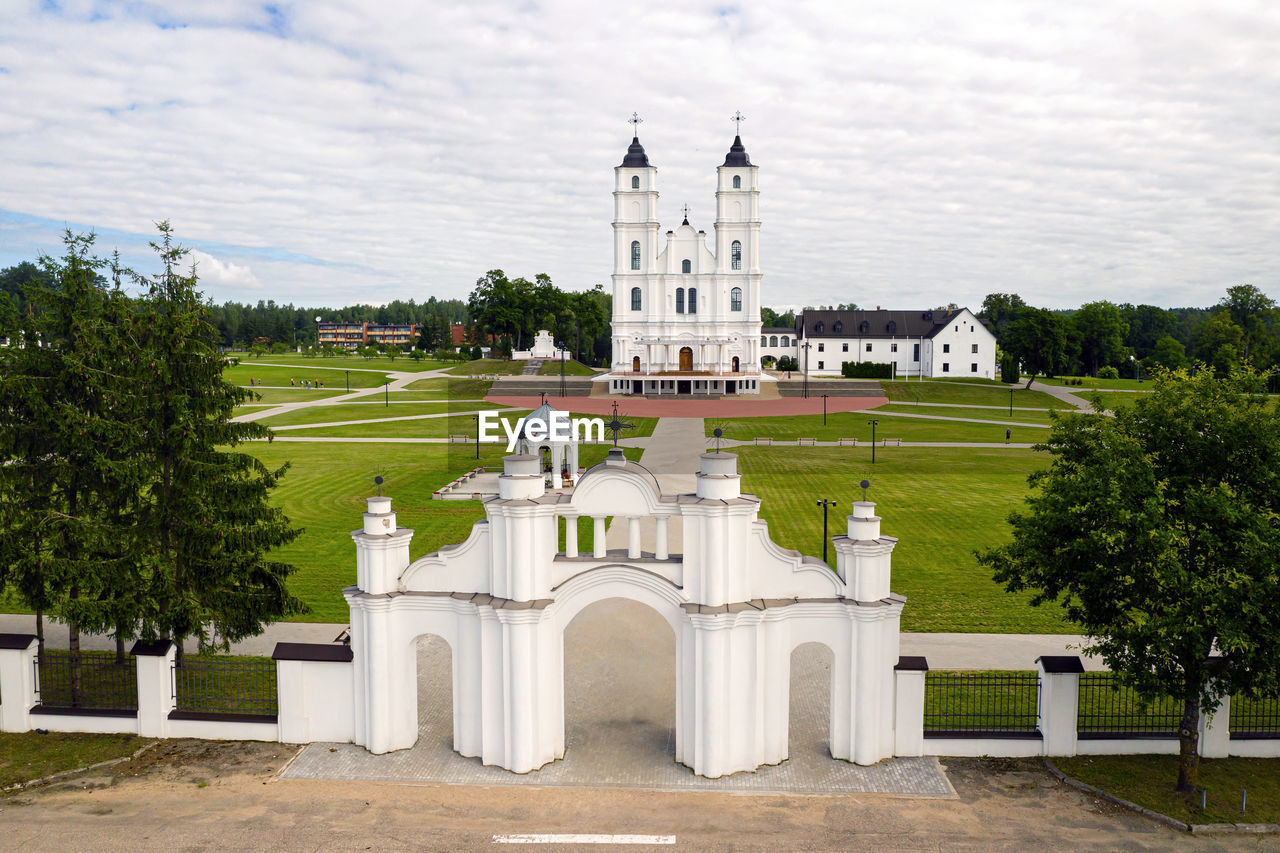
point(730, 386)
point(635, 364)
point(735, 364)
point(686, 358)
point(684, 386)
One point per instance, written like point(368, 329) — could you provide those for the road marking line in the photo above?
point(584, 839)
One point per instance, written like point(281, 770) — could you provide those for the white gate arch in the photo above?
point(737, 602)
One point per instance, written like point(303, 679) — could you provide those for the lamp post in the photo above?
point(806, 369)
point(1135, 367)
point(317, 331)
point(386, 394)
point(824, 409)
point(824, 503)
point(873, 441)
point(348, 372)
point(1010, 402)
point(561, 346)
point(476, 418)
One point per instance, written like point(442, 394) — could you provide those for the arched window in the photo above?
point(735, 299)
point(635, 299)
point(686, 266)
point(785, 341)
point(693, 299)
point(817, 327)
point(635, 254)
point(838, 327)
point(735, 255)
point(635, 182)
point(773, 341)
point(764, 341)
point(891, 327)
point(864, 327)
point(679, 300)
point(737, 182)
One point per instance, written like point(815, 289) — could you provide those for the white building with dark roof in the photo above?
point(941, 343)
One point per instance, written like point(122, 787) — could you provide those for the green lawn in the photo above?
point(276, 396)
point(1088, 383)
point(854, 425)
point(367, 411)
point(401, 364)
point(453, 389)
point(944, 503)
point(280, 376)
point(26, 755)
point(1002, 415)
point(461, 424)
point(1148, 780)
point(967, 394)
point(571, 368)
point(486, 366)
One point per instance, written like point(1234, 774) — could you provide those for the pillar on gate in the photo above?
point(17, 681)
point(530, 708)
point(717, 533)
point(1059, 702)
point(727, 701)
point(154, 661)
point(382, 549)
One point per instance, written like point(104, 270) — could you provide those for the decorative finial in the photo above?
point(865, 484)
point(718, 433)
point(737, 118)
point(635, 121)
point(616, 426)
point(378, 480)
point(685, 210)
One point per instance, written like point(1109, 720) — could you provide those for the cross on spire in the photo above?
point(635, 121)
point(685, 211)
point(737, 118)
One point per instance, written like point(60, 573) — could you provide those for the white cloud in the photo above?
point(910, 154)
point(217, 276)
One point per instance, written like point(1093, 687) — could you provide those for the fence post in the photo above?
point(315, 692)
point(908, 723)
point(155, 685)
point(1059, 702)
point(17, 681)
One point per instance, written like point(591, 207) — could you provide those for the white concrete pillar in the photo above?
point(154, 662)
point(571, 536)
point(633, 538)
point(1059, 702)
point(660, 537)
point(868, 684)
point(597, 537)
point(17, 680)
point(382, 549)
point(1215, 731)
point(908, 724)
point(528, 737)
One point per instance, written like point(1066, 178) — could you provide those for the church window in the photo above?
point(864, 327)
point(635, 299)
point(891, 327)
point(686, 266)
point(679, 300)
point(785, 340)
point(735, 255)
point(817, 327)
point(635, 182)
point(837, 328)
point(693, 299)
point(737, 182)
point(773, 341)
point(635, 254)
point(735, 299)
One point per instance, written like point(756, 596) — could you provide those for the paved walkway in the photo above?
point(691, 408)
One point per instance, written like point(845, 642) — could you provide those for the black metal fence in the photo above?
point(1109, 709)
point(225, 686)
point(87, 681)
point(981, 704)
point(1254, 718)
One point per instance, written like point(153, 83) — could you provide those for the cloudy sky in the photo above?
point(910, 154)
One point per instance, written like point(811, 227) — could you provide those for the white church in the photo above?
point(686, 317)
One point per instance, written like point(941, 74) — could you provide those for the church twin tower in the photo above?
point(686, 320)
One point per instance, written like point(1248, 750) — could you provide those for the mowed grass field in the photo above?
point(401, 364)
point(368, 411)
point(507, 367)
point(854, 425)
point(276, 396)
point(333, 379)
point(452, 389)
point(962, 394)
point(942, 504)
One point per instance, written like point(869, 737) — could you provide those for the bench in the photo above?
point(846, 442)
point(811, 442)
point(895, 442)
point(763, 440)
point(459, 439)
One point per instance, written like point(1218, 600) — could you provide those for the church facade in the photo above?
point(686, 316)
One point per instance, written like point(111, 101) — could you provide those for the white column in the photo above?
point(597, 537)
point(17, 681)
point(571, 536)
point(1059, 702)
point(1215, 731)
point(154, 663)
point(633, 538)
point(660, 537)
point(908, 724)
point(867, 687)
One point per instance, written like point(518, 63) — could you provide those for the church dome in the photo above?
point(737, 155)
point(636, 158)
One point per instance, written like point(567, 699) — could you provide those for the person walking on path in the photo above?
point(1008, 433)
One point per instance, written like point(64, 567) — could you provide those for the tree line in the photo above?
point(1109, 339)
point(508, 312)
point(125, 506)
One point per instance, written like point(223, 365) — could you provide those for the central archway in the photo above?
point(686, 358)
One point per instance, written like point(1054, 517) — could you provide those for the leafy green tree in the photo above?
point(1219, 341)
point(206, 527)
point(1168, 353)
point(1038, 340)
point(1157, 530)
point(1001, 309)
point(1255, 314)
point(1101, 332)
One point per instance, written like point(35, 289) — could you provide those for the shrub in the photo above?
point(1009, 369)
point(866, 370)
point(1108, 372)
point(788, 362)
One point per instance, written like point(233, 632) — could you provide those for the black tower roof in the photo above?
point(737, 155)
point(636, 158)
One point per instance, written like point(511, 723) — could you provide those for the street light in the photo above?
point(1135, 367)
point(317, 331)
point(806, 369)
point(476, 418)
point(561, 346)
point(1010, 402)
point(824, 503)
point(873, 441)
point(824, 409)
point(348, 372)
